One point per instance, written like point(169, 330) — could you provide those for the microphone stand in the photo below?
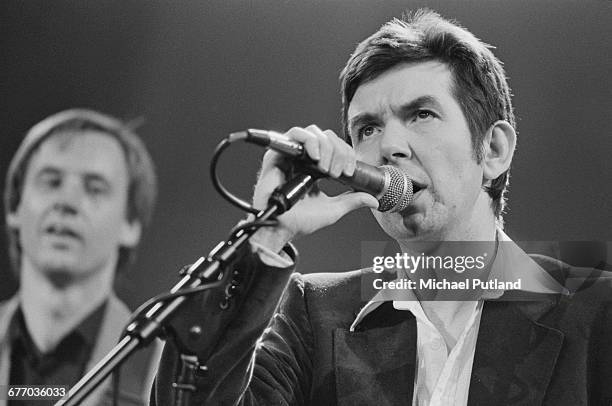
point(205, 271)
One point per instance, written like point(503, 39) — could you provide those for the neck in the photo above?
point(52, 311)
point(473, 237)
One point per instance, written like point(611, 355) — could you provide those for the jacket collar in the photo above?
point(511, 263)
point(376, 359)
point(376, 362)
point(514, 368)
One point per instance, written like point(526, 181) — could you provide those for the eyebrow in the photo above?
point(48, 168)
point(96, 177)
point(416, 104)
point(88, 176)
point(401, 111)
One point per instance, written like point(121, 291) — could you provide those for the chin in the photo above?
point(60, 278)
point(398, 228)
point(411, 224)
point(59, 264)
point(417, 227)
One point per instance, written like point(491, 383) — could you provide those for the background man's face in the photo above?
point(409, 118)
point(72, 214)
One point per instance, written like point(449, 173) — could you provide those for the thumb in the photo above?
point(350, 201)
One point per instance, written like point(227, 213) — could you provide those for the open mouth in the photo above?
point(417, 187)
point(60, 230)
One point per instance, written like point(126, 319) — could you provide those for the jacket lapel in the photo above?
point(135, 383)
point(136, 374)
point(7, 310)
point(376, 363)
point(515, 354)
point(115, 317)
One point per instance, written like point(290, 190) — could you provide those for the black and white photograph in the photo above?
point(315, 202)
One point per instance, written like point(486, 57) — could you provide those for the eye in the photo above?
point(367, 131)
point(424, 115)
point(96, 187)
point(49, 180)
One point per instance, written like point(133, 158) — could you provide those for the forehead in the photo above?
point(81, 151)
point(400, 85)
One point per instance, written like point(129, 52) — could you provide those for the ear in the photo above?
point(13, 219)
point(499, 144)
point(130, 233)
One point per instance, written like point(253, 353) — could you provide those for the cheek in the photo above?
point(368, 153)
point(29, 214)
point(461, 177)
point(458, 158)
point(455, 175)
point(108, 224)
point(32, 203)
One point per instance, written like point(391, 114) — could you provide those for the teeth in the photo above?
point(62, 231)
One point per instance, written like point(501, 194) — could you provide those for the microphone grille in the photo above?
point(398, 190)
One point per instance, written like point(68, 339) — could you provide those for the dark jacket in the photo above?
point(553, 350)
point(136, 374)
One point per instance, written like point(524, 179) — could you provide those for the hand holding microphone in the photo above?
point(333, 158)
point(392, 187)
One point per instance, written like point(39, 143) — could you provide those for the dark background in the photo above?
point(197, 70)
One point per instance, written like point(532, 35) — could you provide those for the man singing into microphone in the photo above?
point(423, 95)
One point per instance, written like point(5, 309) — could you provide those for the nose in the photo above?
point(65, 207)
point(69, 198)
point(395, 145)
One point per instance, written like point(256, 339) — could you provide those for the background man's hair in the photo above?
point(142, 186)
point(479, 82)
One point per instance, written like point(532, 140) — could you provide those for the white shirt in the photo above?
point(442, 378)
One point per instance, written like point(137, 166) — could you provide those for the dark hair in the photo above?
point(142, 186)
point(479, 81)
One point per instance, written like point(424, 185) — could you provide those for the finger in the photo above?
point(315, 189)
point(326, 148)
point(351, 164)
point(344, 156)
point(270, 159)
point(266, 184)
point(347, 202)
point(308, 139)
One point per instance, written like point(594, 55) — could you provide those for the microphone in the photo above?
point(392, 187)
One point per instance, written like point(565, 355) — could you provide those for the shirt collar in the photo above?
point(87, 330)
point(510, 263)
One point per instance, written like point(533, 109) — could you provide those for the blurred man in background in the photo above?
point(79, 194)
